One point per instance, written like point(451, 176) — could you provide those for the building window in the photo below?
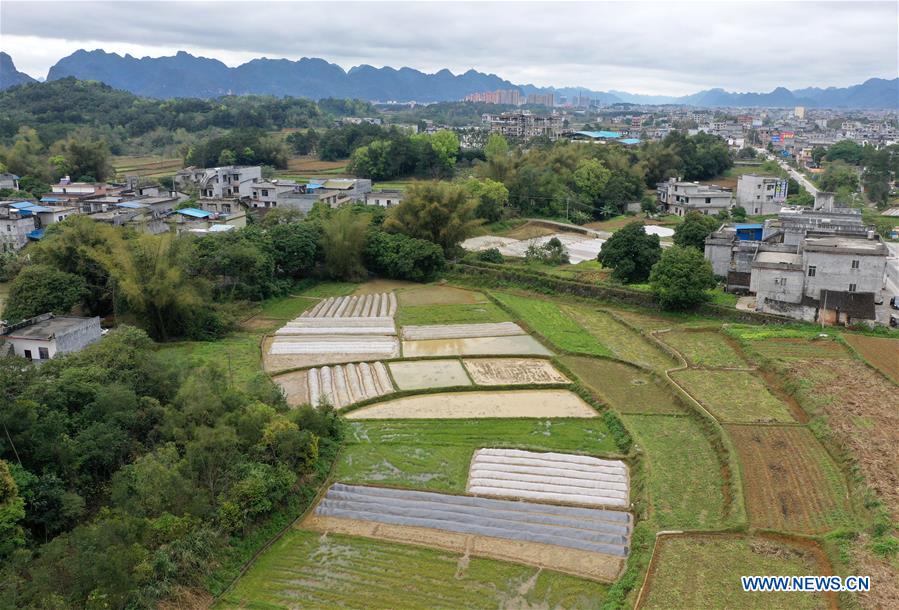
point(708, 200)
point(811, 270)
point(44, 353)
point(855, 264)
point(265, 192)
point(851, 287)
point(28, 354)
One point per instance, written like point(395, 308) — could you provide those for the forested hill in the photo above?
point(58, 107)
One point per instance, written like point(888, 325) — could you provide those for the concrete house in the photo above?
point(9, 181)
point(679, 197)
point(46, 336)
point(15, 226)
point(761, 195)
point(384, 198)
point(231, 181)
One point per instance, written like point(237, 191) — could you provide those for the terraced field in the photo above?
point(551, 322)
point(704, 348)
point(436, 454)
point(148, 167)
point(677, 452)
point(881, 352)
point(704, 572)
point(328, 571)
point(788, 349)
point(791, 483)
point(624, 343)
point(625, 388)
point(734, 396)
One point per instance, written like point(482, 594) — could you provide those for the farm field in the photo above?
point(502, 371)
point(147, 167)
point(697, 571)
point(704, 348)
point(434, 294)
point(788, 349)
point(790, 482)
point(625, 343)
point(460, 313)
point(677, 452)
point(425, 374)
point(515, 345)
point(455, 405)
point(881, 352)
point(551, 322)
point(436, 454)
point(861, 413)
point(237, 355)
point(625, 388)
point(733, 396)
point(332, 570)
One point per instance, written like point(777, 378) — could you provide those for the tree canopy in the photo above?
point(681, 279)
point(630, 253)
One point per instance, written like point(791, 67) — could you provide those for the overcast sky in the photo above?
point(670, 48)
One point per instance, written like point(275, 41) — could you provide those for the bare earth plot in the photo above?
point(785, 349)
point(734, 396)
point(583, 541)
point(438, 295)
point(516, 403)
point(625, 343)
point(626, 389)
point(337, 571)
point(697, 571)
point(519, 345)
point(559, 478)
point(861, 409)
point(508, 371)
point(461, 331)
point(881, 352)
point(686, 488)
point(704, 348)
point(426, 374)
point(790, 482)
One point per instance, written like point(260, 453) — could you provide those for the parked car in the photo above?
point(893, 303)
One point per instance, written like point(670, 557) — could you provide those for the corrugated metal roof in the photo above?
point(194, 212)
point(36, 234)
point(131, 205)
point(630, 141)
point(739, 227)
point(604, 135)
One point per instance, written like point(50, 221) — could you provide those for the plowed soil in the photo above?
point(882, 352)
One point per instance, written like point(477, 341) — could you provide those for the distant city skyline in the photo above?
point(649, 48)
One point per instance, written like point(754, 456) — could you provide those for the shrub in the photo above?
point(401, 257)
point(491, 255)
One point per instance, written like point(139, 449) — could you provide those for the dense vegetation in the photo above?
point(123, 479)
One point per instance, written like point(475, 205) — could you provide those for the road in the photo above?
point(890, 285)
point(795, 175)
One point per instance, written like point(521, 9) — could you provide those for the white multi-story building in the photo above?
point(761, 195)
point(680, 197)
point(232, 181)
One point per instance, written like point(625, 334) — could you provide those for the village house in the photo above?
point(384, 198)
point(45, 336)
point(761, 195)
point(9, 181)
point(680, 197)
point(220, 182)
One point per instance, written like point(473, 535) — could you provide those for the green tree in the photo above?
point(681, 279)
point(445, 144)
point(440, 212)
point(694, 229)
point(343, 241)
point(402, 257)
point(85, 156)
point(496, 148)
point(492, 196)
point(738, 214)
point(846, 151)
point(296, 247)
point(630, 253)
point(818, 153)
point(26, 156)
point(12, 511)
point(839, 175)
point(591, 178)
point(40, 289)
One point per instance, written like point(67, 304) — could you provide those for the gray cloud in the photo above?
point(667, 48)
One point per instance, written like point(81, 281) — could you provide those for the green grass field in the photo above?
point(460, 313)
point(704, 348)
point(286, 308)
point(625, 388)
point(308, 570)
point(436, 454)
point(704, 572)
point(238, 354)
point(734, 396)
point(625, 343)
point(4, 294)
point(683, 473)
point(557, 327)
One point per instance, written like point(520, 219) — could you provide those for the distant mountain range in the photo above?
point(185, 75)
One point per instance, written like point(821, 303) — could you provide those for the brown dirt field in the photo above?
point(794, 349)
point(261, 323)
point(881, 352)
point(311, 164)
point(503, 371)
point(438, 295)
point(464, 405)
point(530, 230)
point(861, 408)
point(295, 386)
point(594, 566)
point(377, 286)
point(884, 591)
point(790, 482)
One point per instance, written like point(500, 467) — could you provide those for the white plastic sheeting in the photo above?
point(588, 529)
point(554, 477)
point(343, 385)
point(364, 305)
point(346, 344)
point(462, 331)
